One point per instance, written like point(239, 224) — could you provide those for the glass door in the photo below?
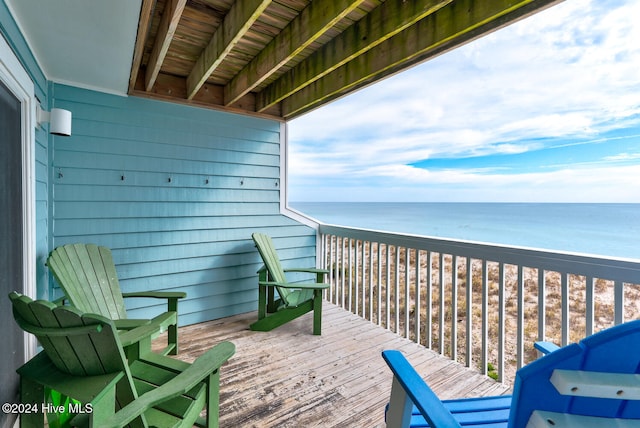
point(11, 244)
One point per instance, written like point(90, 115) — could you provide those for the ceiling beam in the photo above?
point(315, 20)
point(236, 23)
point(449, 27)
point(385, 21)
point(168, 24)
point(146, 10)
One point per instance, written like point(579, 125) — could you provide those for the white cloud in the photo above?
point(570, 71)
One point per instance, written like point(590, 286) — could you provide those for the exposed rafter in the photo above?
point(146, 10)
point(238, 21)
point(170, 19)
point(314, 21)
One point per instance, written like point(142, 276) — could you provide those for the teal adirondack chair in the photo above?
point(594, 383)
point(295, 299)
point(83, 359)
point(87, 275)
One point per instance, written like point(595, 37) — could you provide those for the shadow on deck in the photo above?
point(290, 378)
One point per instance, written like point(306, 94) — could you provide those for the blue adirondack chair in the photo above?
point(594, 383)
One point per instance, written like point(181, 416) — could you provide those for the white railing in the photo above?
point(481, 304)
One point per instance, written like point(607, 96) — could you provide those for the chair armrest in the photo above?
point(60, 301)
point(311, 286)
point(157, 294)
point(545, 347)
point(135, 335)
point(202, 367)
point(417, 391)
point(130, 323)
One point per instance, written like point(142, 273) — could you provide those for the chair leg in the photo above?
point(33, 393)
point(172, 331)
point(317, 312)
point(213, 400)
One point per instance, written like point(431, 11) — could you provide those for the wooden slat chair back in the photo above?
point(83, 359)
point(594, 383)
point(295, 299)
point(87, 275)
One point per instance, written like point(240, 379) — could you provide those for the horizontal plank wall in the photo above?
point(16, 40)
point(175, 192)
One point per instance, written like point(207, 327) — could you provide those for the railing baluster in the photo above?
point(332, 272)
point(485, 314)
point(396, 287)
point(407, 292)
point(565, 316)
point(343, 268)
point(618, 297)
point(356, 294)
point(442, 304)
point(371, 281)
point(417, 297)
point(379, 283)
point(589, 283)
point(520, 333)
point(542, 304)
point(454, 307)
point(388, 293)
point(364, 280)
point(429, 303)
point(469, 326)
point(501, 321)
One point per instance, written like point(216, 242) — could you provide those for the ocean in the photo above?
point(600, 229)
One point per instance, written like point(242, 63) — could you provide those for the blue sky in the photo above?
point(545, 110)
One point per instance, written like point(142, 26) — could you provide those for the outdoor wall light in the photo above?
point(59, 120)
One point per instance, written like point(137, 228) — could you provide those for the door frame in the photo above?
point(16, 78)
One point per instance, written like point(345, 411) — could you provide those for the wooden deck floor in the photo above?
point(290, 378)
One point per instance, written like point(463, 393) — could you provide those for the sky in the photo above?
point(545, 110)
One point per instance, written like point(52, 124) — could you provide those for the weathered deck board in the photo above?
point(290, 378)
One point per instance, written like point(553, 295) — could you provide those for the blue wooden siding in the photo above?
point(15, 39)
point(176, 192)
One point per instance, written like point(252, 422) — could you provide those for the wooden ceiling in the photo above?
point(282, 58)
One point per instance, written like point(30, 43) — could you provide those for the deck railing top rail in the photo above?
point(613, 268)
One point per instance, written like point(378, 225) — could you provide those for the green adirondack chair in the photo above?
point(83, 359)
point(87, 275)
point(295, 299)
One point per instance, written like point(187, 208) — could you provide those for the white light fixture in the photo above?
point(59, 121)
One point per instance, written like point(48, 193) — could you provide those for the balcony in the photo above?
point(290, 378)
point(378, 301)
